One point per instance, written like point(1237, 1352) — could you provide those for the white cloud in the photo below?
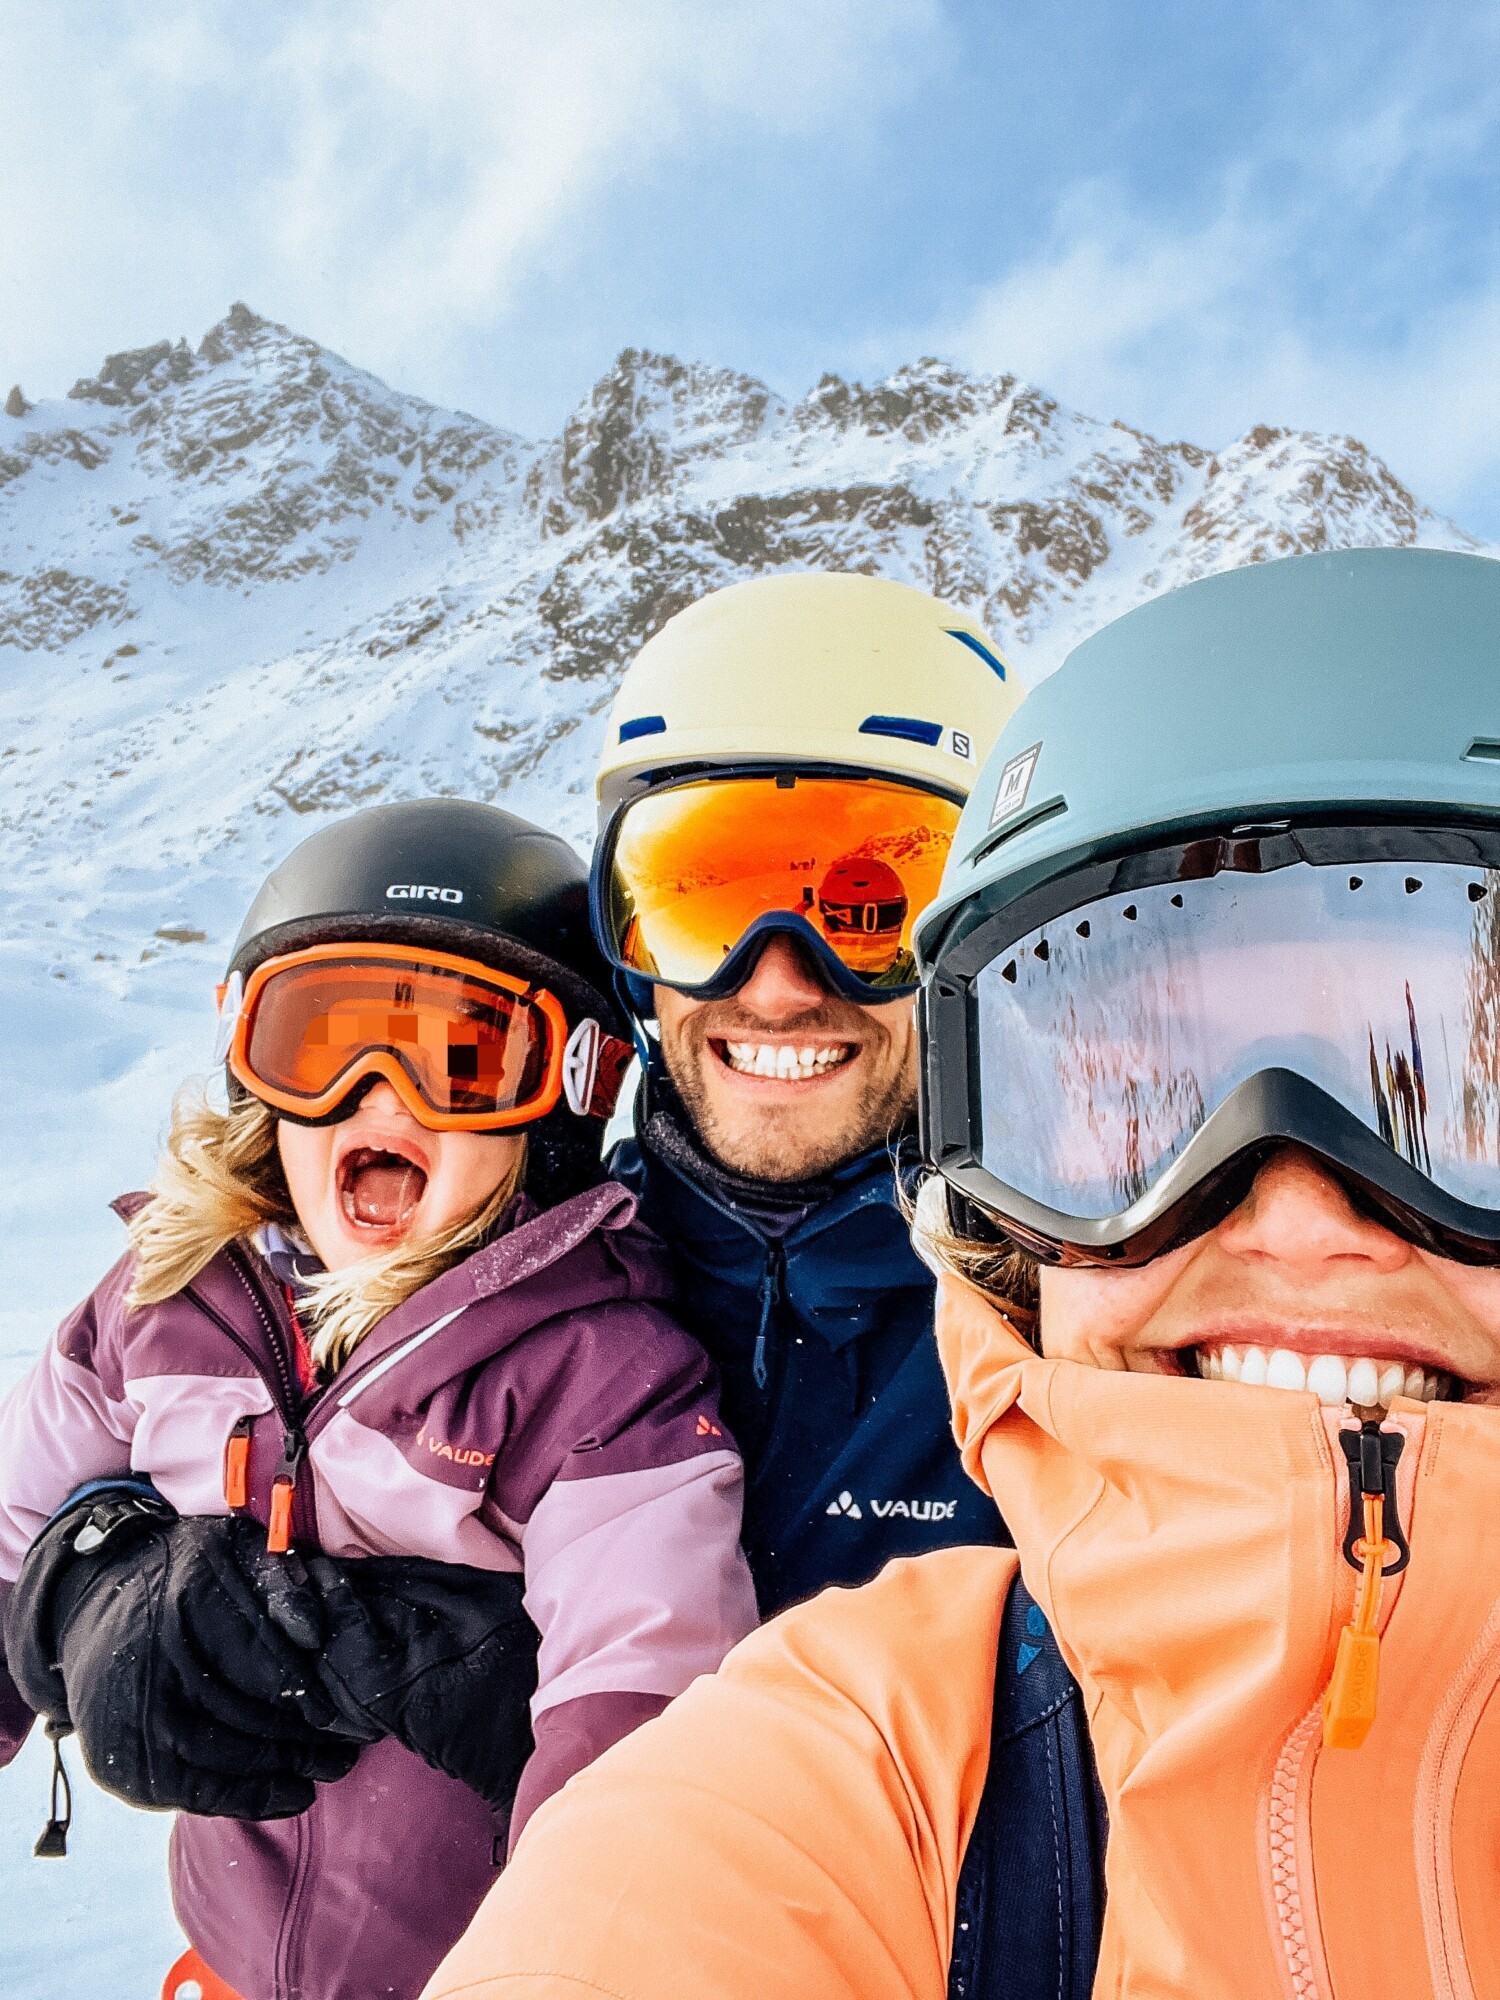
point(1284, 299)
point(384, 173)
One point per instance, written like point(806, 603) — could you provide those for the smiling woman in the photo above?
point(1228, 1364)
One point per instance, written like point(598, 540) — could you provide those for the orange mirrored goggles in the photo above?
point(846, 864)
point(464, 1047)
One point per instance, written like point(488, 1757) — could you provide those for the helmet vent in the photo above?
point(907, 727)
point(643, 725)
point(1483, 750)
point(1048, 809)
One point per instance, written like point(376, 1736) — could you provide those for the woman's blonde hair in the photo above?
point(220, 1178)
point(997, 1267)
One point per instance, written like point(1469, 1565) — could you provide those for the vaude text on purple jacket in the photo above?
point(533, 1409)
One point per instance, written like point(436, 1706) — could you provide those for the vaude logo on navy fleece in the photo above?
point(892, 1510)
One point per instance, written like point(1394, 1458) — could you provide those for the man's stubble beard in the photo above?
point(785, 1144)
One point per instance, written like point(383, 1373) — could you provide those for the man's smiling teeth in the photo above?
point(780, 1059)
point(1334, 1379)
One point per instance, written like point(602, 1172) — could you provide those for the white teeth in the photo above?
point(1364, 1382)
point(1325, 1377)
point(1333, 1380)
point(1284, 1370)
point(782, 1061)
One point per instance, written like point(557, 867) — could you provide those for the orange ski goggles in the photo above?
point(465, 1047)
point(692, 876)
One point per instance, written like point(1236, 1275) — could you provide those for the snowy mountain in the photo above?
point(247, 586)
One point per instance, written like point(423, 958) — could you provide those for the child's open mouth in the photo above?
point(380, 1188)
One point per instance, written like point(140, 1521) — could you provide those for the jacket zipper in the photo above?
point(770, 1297)
point(291, 1407)
point(299, 1413)
point(771, 1276)
point(1374, 1545)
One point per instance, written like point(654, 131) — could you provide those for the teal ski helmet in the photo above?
point(1230, 880)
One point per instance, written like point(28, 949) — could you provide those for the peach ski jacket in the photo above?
point(793, 1829)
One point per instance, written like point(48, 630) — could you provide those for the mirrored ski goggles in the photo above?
point(1107, 1081)
point(465, 1047)
point(692, 877)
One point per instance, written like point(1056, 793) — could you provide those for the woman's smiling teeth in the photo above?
point(782, 1060)
point(1334, 1379)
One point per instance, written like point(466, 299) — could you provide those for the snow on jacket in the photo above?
point(822, 1334)
point(532, 1409)
point(797, 1825)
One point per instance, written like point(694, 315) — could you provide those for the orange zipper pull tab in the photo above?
point(283, 1494)
point(237, 1467)
point(1349, 1703)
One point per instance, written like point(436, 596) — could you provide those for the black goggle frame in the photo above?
point(1214, 1171)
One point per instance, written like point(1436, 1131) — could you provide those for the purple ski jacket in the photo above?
point(533, 1409)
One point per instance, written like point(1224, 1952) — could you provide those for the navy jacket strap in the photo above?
point(1030, 1902)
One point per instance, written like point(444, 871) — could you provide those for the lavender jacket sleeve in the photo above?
point(65, 1421)
point(634, 1573)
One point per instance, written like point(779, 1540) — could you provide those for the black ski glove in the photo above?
point(439, 1656)
point(163, 1643)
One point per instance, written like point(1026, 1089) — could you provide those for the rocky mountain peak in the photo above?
point(242, 331)
point(645, 419)
point(135, 375)
point(267, 587)
point(918, 402)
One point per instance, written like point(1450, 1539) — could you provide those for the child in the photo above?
point(385, 1306)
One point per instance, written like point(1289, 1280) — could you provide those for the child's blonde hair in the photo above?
point(220, 1178)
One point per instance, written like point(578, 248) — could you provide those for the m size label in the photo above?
point(1015, 783)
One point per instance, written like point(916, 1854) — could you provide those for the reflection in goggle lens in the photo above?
point(694, 865)
point(1109, 1035)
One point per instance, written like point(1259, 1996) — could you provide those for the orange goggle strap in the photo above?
point(585, 1068)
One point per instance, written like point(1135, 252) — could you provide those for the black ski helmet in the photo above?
point(455, 876)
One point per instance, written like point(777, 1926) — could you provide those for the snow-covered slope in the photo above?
point(247, 586)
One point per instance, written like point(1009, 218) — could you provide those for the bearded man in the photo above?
point(784, 768)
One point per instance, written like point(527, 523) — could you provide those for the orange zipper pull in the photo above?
point(279, 1533)
point(1349, 1703)
point(237, 1467)
point(283, 1493)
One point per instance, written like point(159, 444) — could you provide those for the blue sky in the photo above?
point(1193, 217)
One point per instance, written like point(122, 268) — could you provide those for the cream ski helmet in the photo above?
point(876, 699)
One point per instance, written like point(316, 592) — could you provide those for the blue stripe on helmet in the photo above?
point(977, 646)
